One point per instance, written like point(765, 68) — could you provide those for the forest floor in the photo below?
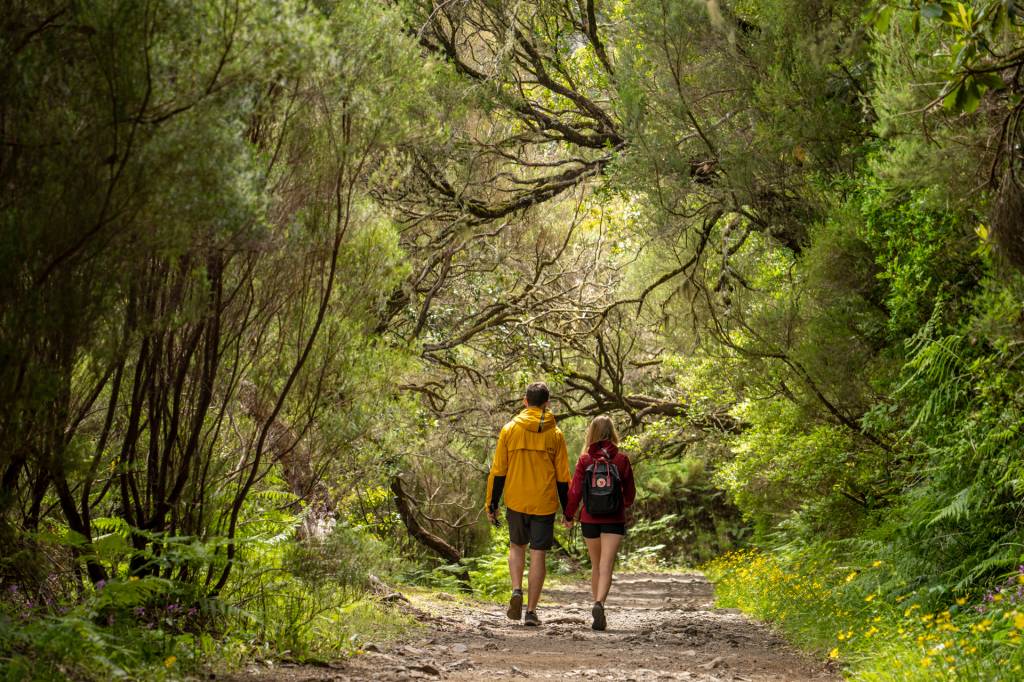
point(660, 627)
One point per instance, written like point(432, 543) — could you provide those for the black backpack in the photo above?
point(602, 487)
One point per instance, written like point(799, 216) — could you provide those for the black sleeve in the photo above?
point(563, 494)
point(496, 489)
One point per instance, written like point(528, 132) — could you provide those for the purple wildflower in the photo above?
point(100, 584)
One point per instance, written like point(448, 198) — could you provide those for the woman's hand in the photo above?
point(629, 516)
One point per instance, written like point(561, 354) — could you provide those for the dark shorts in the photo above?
point(528, 529)
point(594, 530)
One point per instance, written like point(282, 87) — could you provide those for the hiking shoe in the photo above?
point(532, 619)
point(598, 613)
point(515, 605)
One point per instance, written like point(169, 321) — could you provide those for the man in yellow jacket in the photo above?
point(531, 466)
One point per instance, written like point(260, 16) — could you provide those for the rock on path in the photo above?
point(660, 627)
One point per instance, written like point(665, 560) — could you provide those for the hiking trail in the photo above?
point(660, 627)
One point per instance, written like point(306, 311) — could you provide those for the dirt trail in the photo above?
point(660, 627)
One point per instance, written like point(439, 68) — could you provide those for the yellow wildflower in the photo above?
point(834, 653)
point(169, 661)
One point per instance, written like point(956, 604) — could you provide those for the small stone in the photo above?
point(519, 672)
point(459, 648)
point(427, 668)
point(713, 663)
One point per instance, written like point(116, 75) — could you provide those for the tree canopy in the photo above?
point(283, 269)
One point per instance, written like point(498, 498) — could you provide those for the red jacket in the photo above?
point(621, 461)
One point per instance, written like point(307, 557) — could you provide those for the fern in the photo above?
point(958, 508)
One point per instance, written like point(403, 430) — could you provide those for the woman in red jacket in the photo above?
point(604, 532)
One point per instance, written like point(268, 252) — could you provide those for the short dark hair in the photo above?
point(537, 394)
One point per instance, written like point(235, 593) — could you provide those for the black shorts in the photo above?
point(530, 529)
point(594, 530)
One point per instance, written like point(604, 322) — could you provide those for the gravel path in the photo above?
point(660, 627)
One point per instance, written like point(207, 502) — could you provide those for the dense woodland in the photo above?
point(273, 274)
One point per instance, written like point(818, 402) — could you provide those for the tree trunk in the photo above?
point(406, 510)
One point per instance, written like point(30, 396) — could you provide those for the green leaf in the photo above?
point(991, 81)
point(971, 97)
point(932, 10)
point(882, 19)
point(950, 100)
point(110, 545)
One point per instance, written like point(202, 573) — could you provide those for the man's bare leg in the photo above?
point(538, 571)
point(516, 561)
point(516, 564)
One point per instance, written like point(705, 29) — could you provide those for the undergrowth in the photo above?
point(866, 617)
point(286, 601)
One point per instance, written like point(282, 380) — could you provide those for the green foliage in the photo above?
point(263, 260)
point(872, 617)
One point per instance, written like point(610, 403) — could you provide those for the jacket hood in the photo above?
point(530, 419)
point(596, 448)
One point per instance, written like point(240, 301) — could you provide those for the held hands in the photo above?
point(568, 523)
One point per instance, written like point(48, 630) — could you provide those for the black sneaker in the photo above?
point(515, 605)
point(532, 619)
point(598, 613)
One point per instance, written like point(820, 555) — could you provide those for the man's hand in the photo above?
point(492, 517)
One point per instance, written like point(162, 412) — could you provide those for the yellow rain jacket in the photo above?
point(532, 457)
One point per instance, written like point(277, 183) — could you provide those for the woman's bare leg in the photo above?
point(594, 549)
point(606, 560)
